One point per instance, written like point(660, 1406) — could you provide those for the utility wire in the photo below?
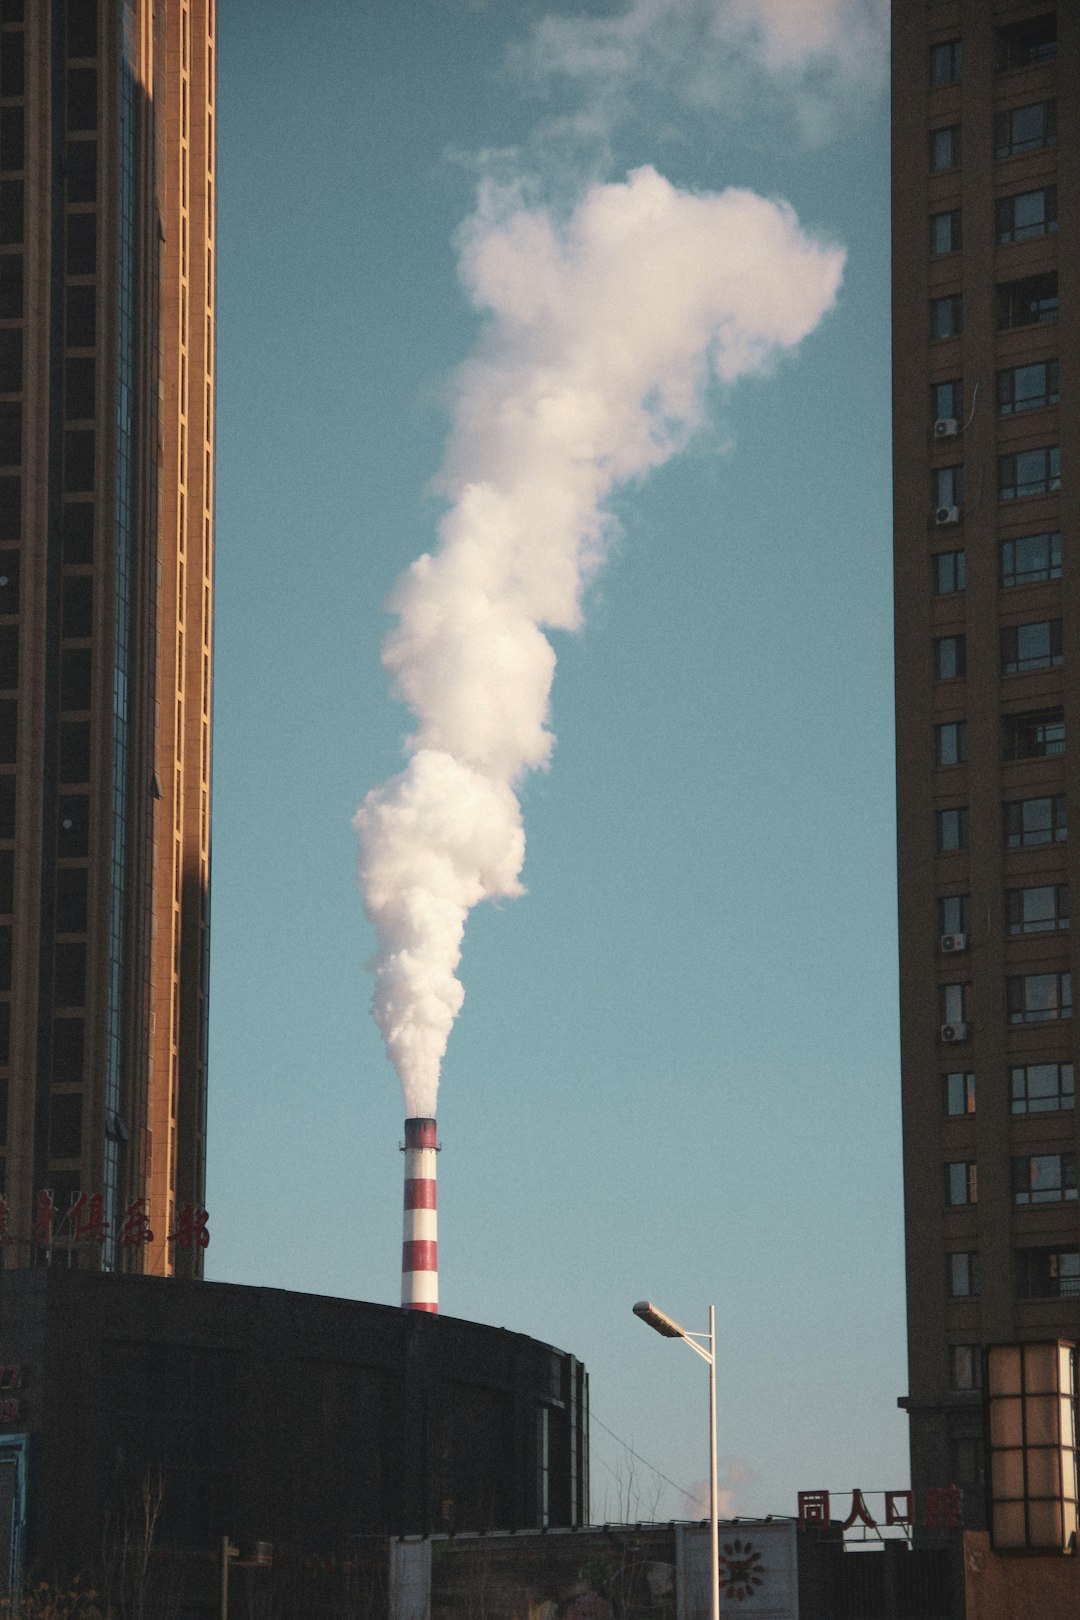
point(691, 1496)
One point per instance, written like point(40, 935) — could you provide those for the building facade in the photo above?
point(106, 513)
point(986, 329)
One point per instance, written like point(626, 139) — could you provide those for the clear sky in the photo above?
point(675, 1074)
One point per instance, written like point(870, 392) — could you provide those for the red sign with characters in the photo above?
point(85, 1222)
point(943, 1509)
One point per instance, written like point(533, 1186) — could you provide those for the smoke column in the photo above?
point(604, 332)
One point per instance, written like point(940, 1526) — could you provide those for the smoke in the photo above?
point(604, 331)
point(733, 1478)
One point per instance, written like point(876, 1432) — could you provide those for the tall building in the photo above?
point(106, 511)
point(986, 328)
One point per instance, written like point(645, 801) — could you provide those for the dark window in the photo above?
point(1039, 998)
point(950, 572)
point(65, 1125)
point(947, 316)
point(961, 1183)
point(78, 532)
point(11, 355)
point(954, 915)
point(1048, 1273)
point(1027, 43)
point(79, 460)
point(10, 433)
point(1028, 213)
point(11, 287)
point(7, 805)
point(81, 244)
point(1031, 560)
point(1036, 821)
point(5, 957)
point(5, 1033)
point(1044, 1178)
point(81, 169)
point(12, 138)
point(958, 1091)
point(11, 66)
point(963, 1275)
point(79, 390)
point(950, 657)
point(1028, 302)
point(11, 210)
point(81, 317)
point(965, 1461)
point(965, 1368)
point(78, 613)
point(9, 582)
point(82, 27)
point(67, 1051)
point(1042, 1088)
point(69, 975)
point(8, 714)
point(1029, 472)
point(953, 1001)
point(947, 488)
point(946, 232)
point(946, 148)
point(1027, 388)
point(1040, 910)
point(74, 751)
point(947, 403)
point(74, 829)
point(950, 743)
point(952, 830)
point(82, 98)
point(10, 506)
point(1025, 129)
point(946, 63)
point(9, 655)
point(7, 880)
point(75, 678)
point(71, 899)
point(1031, 646)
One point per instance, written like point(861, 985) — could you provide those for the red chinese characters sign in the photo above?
point(86, 1221)
point(942, 1509)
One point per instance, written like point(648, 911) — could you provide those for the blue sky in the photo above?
point(675, 1074)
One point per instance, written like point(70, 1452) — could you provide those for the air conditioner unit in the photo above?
point(954, 1032)
point(946, 515)
point(954, 942)
point(946, 427)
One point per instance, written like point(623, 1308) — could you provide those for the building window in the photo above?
point(950, 657)
point(965, 1461)
point(965, 1366)
point(1029, 472)
point(946, 148)
point(1031, 560)
point(1048, 1273)
point(1025, 129)
point(954, 915)
point(950, 743)
point(1042, 1088)
point(946, 232)
point(1031, 646)
point(946, 63)
point(962, 1183)
point(1027, 43)
point(1041, 910)
point(1034, 736)
point(952, 830)
point(947, 401)
point(947, 316)
point(1044, 1178)
point(947, 488)
point(958, 1090)
point(1036, 821)
point(1039, 998)
point(953, 1003)
point(950, 572)
point(1028, 302)
point(963, 1274)
point(1027, 388)
point(1026, 214)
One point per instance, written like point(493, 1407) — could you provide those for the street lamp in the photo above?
point(667, 1325)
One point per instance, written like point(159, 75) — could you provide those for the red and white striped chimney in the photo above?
point(420, 1249)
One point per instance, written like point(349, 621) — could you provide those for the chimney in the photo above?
point(419, 1250)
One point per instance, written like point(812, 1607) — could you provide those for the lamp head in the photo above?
point(658, 1319)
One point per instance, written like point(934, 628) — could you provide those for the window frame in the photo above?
point(950, 657)
point(963, 829)
point(954, 563)
point(1010, 487)
point(963, 1265)
point(958, 1086)
point(946, 232)
point(1059, 1188)
point(1021, 649)
point(946, 63)
point(1019, 1009)
point(1009, 297)
point(1022, 1102)
point(1003, 125)
point(951, 304)
point(955, 134)
point(1028, 735)
point(961, 1183)
point(1009, 403)
point(950, 751)
point(1011, 577)
point(1006, 228)
point(1017, 923)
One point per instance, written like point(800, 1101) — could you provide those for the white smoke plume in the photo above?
point(603, 334)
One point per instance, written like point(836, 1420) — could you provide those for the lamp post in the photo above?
point(667, 1325)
